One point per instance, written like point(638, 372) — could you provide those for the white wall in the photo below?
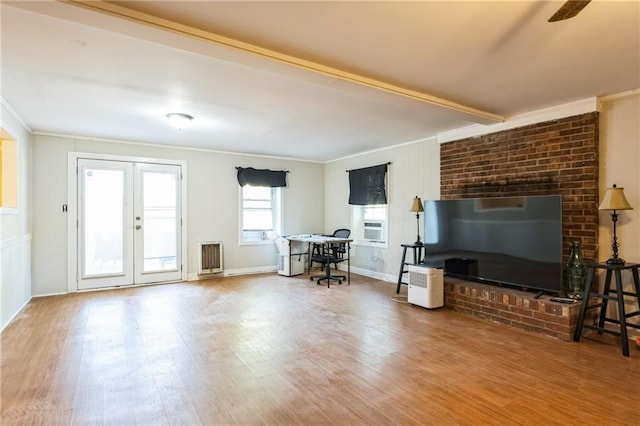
point(212, 198)
point(620, 164)
point(15, 230)
point(414, 170)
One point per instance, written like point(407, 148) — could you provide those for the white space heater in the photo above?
point(426, 287)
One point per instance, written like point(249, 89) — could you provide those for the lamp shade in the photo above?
point(416, 207)
point(614, 199)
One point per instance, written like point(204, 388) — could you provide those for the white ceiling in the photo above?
point(70, 70)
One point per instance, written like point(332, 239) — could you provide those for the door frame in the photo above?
point(72, 209)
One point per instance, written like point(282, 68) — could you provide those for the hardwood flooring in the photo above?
point(266, 349)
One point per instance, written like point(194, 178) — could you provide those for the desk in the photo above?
point(417, 256)
point(619, 298)
point(325, 241)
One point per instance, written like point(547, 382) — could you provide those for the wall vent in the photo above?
point(209, 257)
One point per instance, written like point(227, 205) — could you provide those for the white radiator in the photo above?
point(209, 257)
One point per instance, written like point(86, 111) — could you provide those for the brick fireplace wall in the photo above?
point(553, 157)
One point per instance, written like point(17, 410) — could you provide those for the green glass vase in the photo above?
point(575, 273)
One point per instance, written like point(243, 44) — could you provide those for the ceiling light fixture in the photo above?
point(179, 120)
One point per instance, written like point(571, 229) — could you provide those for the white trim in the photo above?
point(14, 241)
point(183, 205)
point(430, 138)
point(72, 207)
point(35, 296)
point(14, 115)
point(251, 271)
point(369, 243)
point(106, 288)
point(621, 95)
point(234, 272)
point(180, 147)
point(254, 243)
point(91, 290)
point(72, 222)
point(553, 113)
point(16, 314)
point(371, 274)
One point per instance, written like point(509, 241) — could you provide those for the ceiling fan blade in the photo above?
point(568, 10)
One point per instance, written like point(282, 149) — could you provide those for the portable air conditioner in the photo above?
point(426, 287)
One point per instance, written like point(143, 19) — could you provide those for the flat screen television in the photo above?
point(516, 241)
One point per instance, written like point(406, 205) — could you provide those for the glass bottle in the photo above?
point(575, 273)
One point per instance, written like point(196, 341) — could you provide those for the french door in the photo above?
point(129, 223)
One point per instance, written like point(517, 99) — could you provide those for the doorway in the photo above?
point(129, 217)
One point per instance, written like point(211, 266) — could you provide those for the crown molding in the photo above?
point(14, 115)
point(552, 113)
point(621, 95)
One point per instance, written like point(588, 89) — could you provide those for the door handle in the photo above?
point(137, 217)
point(138, 227)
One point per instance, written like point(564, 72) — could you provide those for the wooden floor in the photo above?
point(265, 349)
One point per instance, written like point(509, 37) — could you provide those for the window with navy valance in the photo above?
point(368, 186)
point(261, 177)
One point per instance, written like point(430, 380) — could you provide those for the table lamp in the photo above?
point(614, 199)
point(416, 207)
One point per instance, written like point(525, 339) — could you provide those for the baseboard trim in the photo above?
point(15, 315)
point(234, 272)
point(50, 294)
point(370, 274)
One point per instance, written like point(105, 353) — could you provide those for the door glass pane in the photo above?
point(103, 221)
point(160, 227)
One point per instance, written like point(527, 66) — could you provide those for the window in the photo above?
point(260, 213)
point(369, 224)
point(369, 208)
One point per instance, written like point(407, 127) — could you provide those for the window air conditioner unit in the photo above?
point(373, 230)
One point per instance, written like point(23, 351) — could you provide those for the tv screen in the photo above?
point(512, 240)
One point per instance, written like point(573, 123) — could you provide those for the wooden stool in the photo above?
point(605, 296)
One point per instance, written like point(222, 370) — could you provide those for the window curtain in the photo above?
point(261, 177)
point(368, 186)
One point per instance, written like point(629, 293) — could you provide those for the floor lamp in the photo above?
point(416, 208)
point(614, 199)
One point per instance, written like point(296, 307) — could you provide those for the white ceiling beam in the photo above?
point(483, 117)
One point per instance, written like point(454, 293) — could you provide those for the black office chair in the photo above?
point(327, 254)
point(337, 250)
